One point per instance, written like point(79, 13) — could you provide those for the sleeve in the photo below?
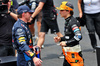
point(77, 35)
point(20, 36)
point(63, 38)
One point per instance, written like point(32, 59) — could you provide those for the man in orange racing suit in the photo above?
point(70, 41)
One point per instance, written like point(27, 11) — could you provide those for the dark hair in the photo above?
point(71, 12)
point(5, 1)
point(19, 16)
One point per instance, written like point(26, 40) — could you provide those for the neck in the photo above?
point(23, 19)
point(67, 16)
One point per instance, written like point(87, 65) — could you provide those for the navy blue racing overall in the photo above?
point(22, 41)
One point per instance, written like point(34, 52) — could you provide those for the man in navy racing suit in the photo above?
point(22, 39)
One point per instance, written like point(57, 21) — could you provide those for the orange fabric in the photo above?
point(80, 28)
point(74, 60)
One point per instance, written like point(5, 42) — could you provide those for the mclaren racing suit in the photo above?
point(22, 41)
point(72, 34)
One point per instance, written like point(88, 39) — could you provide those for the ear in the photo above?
point(23, 14)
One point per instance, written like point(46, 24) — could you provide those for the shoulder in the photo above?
point(74, 21)
point(17, 24)
point(18, 27)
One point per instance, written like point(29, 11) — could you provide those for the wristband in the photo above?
point(9, 12)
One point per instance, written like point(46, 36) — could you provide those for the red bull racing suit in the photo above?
point(22, 41)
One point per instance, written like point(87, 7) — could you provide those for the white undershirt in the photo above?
point(91, 6)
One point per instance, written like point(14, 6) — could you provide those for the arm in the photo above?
point(13, 15)
point(28, 54)
point(77, 35)
point(38, 9)
point(21, 38)
point(15, 53)
point(79, 8)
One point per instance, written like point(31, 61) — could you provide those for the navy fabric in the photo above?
point(23, 8)
point(69, 5)
point(22, 62)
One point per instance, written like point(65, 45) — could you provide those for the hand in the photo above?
point(63, 44)
point(80, 15)
point(37, 61)
point(57, 39)
point(30, 20)
point(35, 47)
point(9, 5)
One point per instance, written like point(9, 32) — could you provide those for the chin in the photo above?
point(61, 16)
point(29, 22)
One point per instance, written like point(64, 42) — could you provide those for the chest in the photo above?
point(67, 29)
point(27, 31)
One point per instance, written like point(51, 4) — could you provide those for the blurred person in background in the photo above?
point(92, 14)
point(14, 4)
point(6, 24)
point(49, 20)
point(38, 18)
